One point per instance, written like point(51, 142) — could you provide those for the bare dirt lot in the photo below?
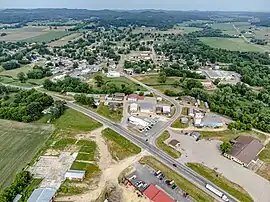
point(110, 171)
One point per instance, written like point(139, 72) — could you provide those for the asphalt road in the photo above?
point(162, 156)
point(177, 113)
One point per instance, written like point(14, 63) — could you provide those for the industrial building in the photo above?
point(146, 107)
point(42, 195)
point(76, 175)
point(245, 150)
point(138, 121)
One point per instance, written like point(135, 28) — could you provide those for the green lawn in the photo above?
point(152, 80)
point(196, 193)
point(74, 122)
point(230, 187)
point(91, 170)
point(265, 154)
point(264, 171)
point(184, 111)
point(105, 111)
point(19, 142)
point(61, 144)
point(47, 37)
point(119, 146)
point(69, 188)
point(227, 135)
point(179, 124)
point(234, 44)
point(169, 150)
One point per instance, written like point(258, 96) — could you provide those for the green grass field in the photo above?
point(19, 142)
point(47, 37)
point(196, 193)
point(74, 122)
point(227, 135)
point(152, 80)
point(119, 146)
point(91, 170)
point(179, 124)
point(105, 111)
point(230, 187)
point(169, 150)
point(264, 171)
point(234, 44)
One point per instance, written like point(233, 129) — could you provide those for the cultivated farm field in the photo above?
point(234, 44)
point(32, 34)
point(63, 41)
point(19, 142)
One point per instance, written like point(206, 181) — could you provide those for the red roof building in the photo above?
point(135, 97)
point(157, 195)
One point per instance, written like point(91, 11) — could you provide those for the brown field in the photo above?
point(63, 41)
point(14, 35)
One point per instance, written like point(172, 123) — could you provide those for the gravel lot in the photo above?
point(207, 153)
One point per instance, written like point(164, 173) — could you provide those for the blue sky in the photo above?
point(234, 5)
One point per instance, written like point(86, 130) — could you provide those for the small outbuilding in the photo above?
point(174, 143)
point(195, 135)
point(184, 120)
point(77, 175)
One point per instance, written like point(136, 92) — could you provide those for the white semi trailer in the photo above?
point(217, 192)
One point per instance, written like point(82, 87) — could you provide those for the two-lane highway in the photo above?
point(162, 156)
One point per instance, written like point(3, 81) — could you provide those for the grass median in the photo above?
point(225, 184)
point(196, 193)
point(169, 150)
point(119, 147)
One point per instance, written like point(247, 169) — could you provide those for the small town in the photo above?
point(134, 105)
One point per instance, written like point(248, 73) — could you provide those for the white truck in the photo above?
point(217, 192)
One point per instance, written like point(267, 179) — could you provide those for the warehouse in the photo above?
point(42, 195)
point(146, 107)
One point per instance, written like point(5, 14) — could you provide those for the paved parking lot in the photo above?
point(52, 169)
point(146, 174)
point(207, 152)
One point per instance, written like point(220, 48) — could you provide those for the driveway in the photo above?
point(206, 152)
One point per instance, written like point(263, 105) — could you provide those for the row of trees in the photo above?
point(83, 99)
point(21, 181)
point(70, 84)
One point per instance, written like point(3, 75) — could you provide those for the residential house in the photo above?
point(174, 143)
